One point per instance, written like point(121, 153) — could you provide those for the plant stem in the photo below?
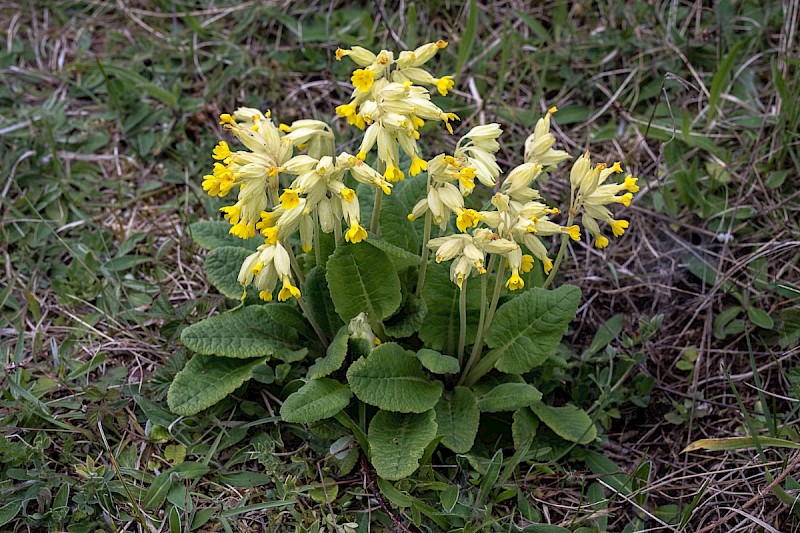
point(310, 317)
point(295, 265)
point(317, 251)
point(374, 224)
point(561, 251)
point(476, 348)
point(462, 321)
point(471, 374)
point(423, 264)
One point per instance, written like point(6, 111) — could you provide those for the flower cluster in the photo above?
point(281, 192)
point(520, 216)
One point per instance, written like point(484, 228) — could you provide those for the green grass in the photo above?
point(107, 120)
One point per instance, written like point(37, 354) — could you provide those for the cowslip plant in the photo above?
point(353, 310)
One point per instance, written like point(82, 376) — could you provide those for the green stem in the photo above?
point(477, 347)
point(374, 224)
point(423, 264)
point(317, 251)
point(462, 321)
point(471, 373)
point(310, 317)
point(295, 265)
point(561, 251)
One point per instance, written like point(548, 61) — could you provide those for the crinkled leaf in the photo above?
point(250, 331)
point(401, 259)
point(407, 320)
point(457, 416)
point(395, 226)
point(524, 426)
point(528, 328)
point(438, 363)
point(509, 397)
point(317, 399)
point(567, 421)
point(206, 380)
point(397, 442)
point(441, 326)
point(215, 234)
point(393, 379)
point(222, 269)
point(334, 357)
point(363, 279)
point(316, 293)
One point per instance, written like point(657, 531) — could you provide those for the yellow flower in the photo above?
point(444, 84)
point(467, 177)
point(527, 263)
point(265, 295)
point(617, 226)
point(289, 199)
point(625, 199)
point(288, 290)
point(243, 230)
point(221, 151)
point(355, 234)
point(348, 194)
point(417, 166)
point(515, 282)
point(232, 213)
point(574, 232)
point(416, 122)
point(393, 173)
point(362, 79)
point(630, 184)
point(256, 270)
point(225, 118)
point(270, 234)
point(600, 241)
point(467, 218)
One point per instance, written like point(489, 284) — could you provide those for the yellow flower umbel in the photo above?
point(591, 194)
point(539, 145)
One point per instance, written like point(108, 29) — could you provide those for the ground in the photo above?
point(109, 112)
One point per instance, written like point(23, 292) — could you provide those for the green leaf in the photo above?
point(457, 416)
point(527, 329)
point(317, 399)
point(567, 421)
point(509, 397)
point(524, 427)
point(438, 363)
point(760, 318)
point(334, 357)
point(363, 279)
point(215, 234)
point(397, 442)
point(395, 226)
point(407, 320)
point(250, 331)
point(222, 269)
point(392, 378)
point(441, 326)
point(206, 380)
point(315, 290)
point(401, 259)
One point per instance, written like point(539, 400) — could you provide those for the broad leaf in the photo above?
point(458, 416)
point(317, 399)
point(509, 397)
point(397, 442)
point(407, 320)
point(206, 380)
point(393, 379)
point(395, 226)
point(524, 426)
point(438, 363)
point(250, 331)
point(567, 421)
point(401, 259)
point(316, 293)
point(528, 328)
point(363, 279)
point(215, 234)
point(334, 357)
point(441, 326)
point(222, 269)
